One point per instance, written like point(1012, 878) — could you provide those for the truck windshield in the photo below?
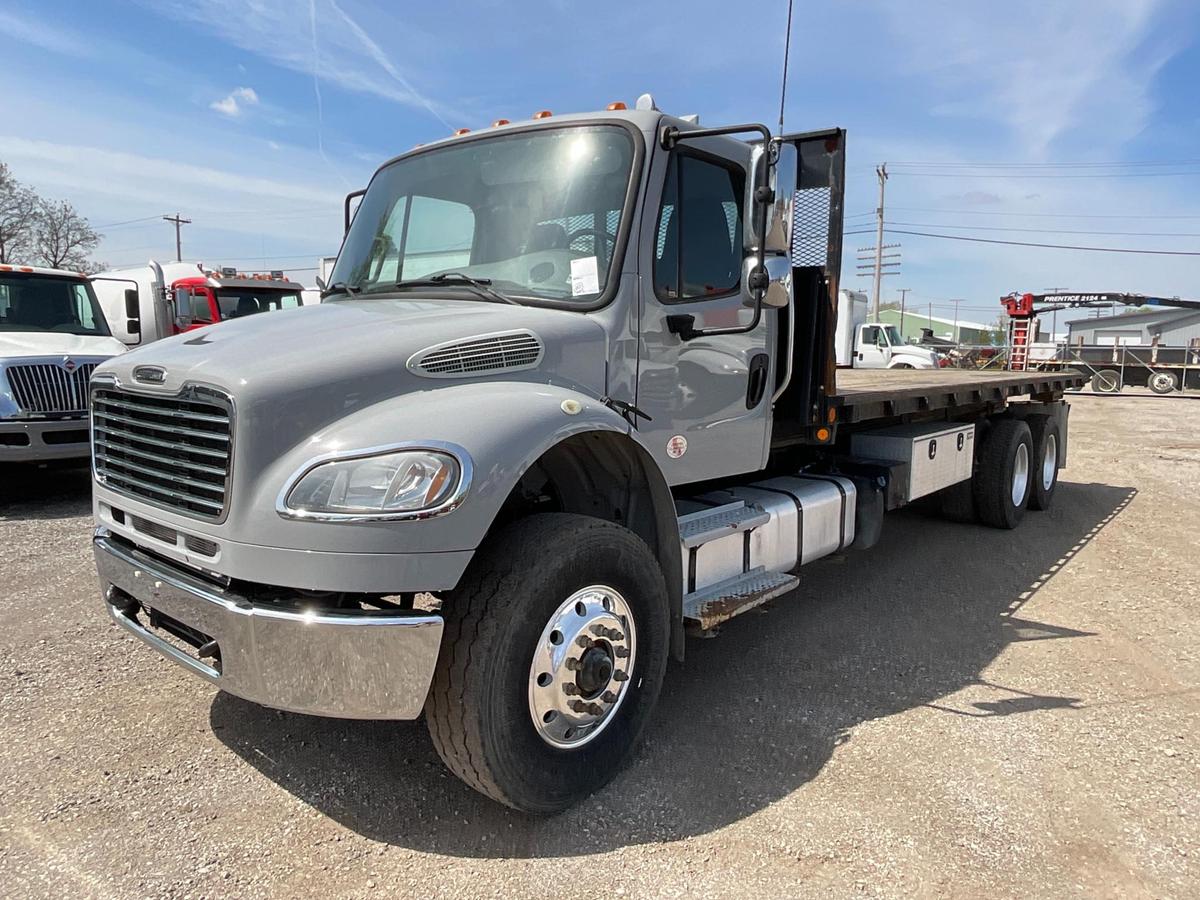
point(49, 303)
point(234, 303)
point(536, 214)
point(893, 335)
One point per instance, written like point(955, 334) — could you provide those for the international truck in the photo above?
point(863, 344)
point(157, 300)
point(52, 336)
point(500, 492)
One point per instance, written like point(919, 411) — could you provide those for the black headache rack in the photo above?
point(817, 211)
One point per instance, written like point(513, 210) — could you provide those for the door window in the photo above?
point(201, 311)
point(873, 336)
point(698, 243)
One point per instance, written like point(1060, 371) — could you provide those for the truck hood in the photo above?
point(916, 354)
point(293, 372)
point(24, 344)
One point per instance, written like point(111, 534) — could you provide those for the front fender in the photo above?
point(917, 362)
point(504, 427)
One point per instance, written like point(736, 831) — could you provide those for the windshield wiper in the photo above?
point(479, 286)
point(340, 287)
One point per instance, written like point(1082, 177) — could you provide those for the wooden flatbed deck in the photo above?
point(866, 394)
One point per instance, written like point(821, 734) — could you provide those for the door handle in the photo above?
point(756, 384)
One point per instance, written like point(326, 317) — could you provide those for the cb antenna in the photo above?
point(787, 50)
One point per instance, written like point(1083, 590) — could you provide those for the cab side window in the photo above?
point(698, 246)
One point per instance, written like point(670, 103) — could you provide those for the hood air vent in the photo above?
point(508, 351)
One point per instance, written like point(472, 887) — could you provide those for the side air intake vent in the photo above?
point(508, 351)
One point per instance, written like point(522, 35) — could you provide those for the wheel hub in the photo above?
point(595, 671)
point(581, 666)
point(1020, 477)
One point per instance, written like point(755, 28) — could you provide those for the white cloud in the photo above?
point(47, 37)
point(235, 102)
point(1047, 71)
point(134, 176)
point(349, 57)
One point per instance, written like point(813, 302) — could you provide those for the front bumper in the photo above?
point(30, 440)
point(352, 665)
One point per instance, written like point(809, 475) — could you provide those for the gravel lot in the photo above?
point(960, 711)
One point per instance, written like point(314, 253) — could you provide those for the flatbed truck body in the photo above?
point(572, 394)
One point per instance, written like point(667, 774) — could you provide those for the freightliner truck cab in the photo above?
point(570, 394)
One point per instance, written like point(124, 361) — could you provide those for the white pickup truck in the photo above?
point(52, 336)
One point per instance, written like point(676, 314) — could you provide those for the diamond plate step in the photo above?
point(726, 599)
point(701, 527)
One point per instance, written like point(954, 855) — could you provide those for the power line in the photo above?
point(986, 212)
point(1052, 165)
point(1056, 175)
point(1048, 230)
point(978, 240)
point(126, 222)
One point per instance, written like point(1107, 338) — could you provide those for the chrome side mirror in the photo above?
point(778, 294)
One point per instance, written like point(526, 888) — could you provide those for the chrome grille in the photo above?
point(174, 452)
point(508, 352)
point(49, 388)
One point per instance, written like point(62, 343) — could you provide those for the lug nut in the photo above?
point(569, 689)
point(573, 664)
point(620, 676)
point(598, 630)
point(621, 652)
point(582, 641)
point(578, 706)
point(615, 635)
point(608, 697)
point(595, 709)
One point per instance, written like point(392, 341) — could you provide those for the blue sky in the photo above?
point(254, 119)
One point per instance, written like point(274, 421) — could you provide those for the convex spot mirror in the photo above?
point(779, 284)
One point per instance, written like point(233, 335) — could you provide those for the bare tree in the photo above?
point(63, 238)
point(18, 219)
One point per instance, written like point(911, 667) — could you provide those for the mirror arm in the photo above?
point(758, 279)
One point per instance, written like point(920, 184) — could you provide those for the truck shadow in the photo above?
point(57, 491)
point(752, 715)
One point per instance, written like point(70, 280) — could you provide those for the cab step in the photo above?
point(707, 525)
point(717, 603)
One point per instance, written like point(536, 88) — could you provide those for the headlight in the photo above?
point(401, 484)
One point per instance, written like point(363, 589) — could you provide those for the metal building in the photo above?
point(1173, 327)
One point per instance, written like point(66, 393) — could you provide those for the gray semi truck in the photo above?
point(572, 395)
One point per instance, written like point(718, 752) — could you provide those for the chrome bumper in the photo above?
point(352, 665)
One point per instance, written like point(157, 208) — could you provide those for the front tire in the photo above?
point(1003, 480)
point(514, 639)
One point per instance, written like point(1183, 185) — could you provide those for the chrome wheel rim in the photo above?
point(581, 667)
point(1020, 480)
point(1163, 382)
point(1050, 462)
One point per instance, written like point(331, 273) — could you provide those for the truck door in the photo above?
point(874, 351)
point(706, 398)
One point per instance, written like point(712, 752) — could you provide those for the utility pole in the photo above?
point(954, 334)
point(178, 243)
point(903, 297)
point(881, 171)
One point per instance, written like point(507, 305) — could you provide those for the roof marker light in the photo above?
point(542, 114)
point(461, 131)
point(499, 122)
point(617, 105)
